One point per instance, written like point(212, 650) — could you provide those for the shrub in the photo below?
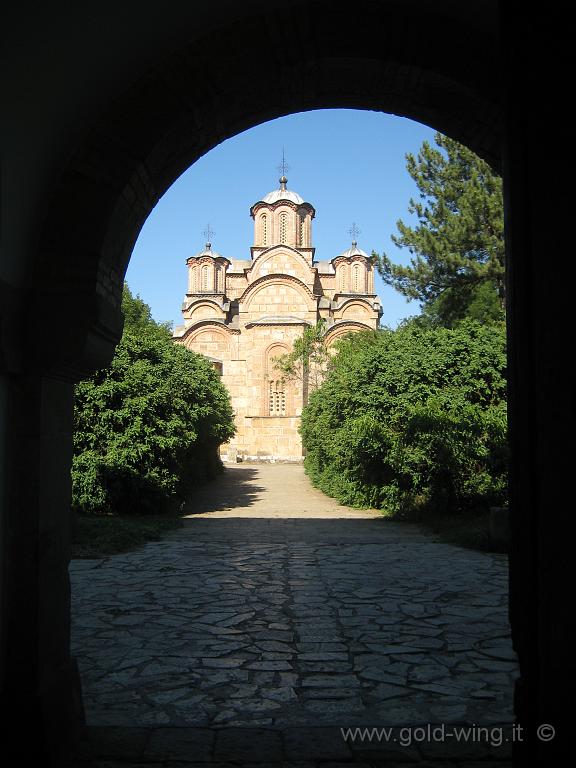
point(147, 428)
point(412, 420)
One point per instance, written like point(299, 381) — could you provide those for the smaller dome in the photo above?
point(208, 252)
point(354, 251)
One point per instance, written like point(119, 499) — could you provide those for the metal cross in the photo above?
point(354, 232)
point(208, 234)
point(283, 167)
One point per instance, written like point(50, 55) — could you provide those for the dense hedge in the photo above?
point(147, 428)
point(412, 420)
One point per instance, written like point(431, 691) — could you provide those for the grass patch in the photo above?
point(101, 535)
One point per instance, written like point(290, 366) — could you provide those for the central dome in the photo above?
point(282, 194)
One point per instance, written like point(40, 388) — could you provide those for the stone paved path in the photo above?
point(277, 608)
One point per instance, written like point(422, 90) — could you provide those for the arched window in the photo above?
point(356, 278)
point(283, 219)
point(205, 277)
point(218, 279)
point(302, 230)
point(342, 275)
point(193, 280)
point(264, 229)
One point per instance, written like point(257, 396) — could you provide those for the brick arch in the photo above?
point(265, 257)
point(208, 324)
point(307, 295)
point(217, 342)
point(206, 309)
point(209, 302)
point(206, 328)
point(343, 327)
point(347, 310)
point(278, 347)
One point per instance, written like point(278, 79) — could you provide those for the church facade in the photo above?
point(244, 313)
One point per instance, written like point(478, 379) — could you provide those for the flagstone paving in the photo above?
point(274, 607)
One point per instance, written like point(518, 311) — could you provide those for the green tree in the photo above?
point(308, 360)
point(412, 420)
point(457, 246)
point(138, 316)
point(147, 428)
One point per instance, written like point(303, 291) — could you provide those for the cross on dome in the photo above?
point(208, 234)
point(354, 232)
point(283, 168)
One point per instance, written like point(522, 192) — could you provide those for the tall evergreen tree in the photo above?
point(457, 246)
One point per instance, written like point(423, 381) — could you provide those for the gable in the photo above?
point(281, 260)
point(202, 310)
point(277, 297)
point(355, 310)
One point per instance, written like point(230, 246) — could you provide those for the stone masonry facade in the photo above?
point(244, 313)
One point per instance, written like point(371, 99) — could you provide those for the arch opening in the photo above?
point(119, 173)
point(275, 396)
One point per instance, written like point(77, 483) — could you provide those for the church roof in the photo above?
point(325, 267)
point(282, 194)
point(354, 251)
point(208, 252)
point(239, 265)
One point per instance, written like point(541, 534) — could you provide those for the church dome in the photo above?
point(354, 251)
point(208, 252)
point(282, 194)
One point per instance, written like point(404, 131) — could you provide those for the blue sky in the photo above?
point(349, 164)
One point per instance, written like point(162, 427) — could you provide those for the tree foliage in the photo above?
point(457, 246)
point(147, 428)
point(308, 360)
point(412, 419)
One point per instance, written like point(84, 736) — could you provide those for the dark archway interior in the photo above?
point(105, 109)
point(230, 80)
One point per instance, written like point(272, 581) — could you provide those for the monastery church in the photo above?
point(244, 313)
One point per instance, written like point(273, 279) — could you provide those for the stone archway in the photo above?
point(72, 229)
point(125, 165)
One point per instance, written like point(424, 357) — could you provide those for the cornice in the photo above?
point(282, 203)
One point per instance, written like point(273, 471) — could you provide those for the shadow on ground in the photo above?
point(234, 488)
point(308, 747)
point(275, 617)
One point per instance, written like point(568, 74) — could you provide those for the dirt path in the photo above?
point(270, 491)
